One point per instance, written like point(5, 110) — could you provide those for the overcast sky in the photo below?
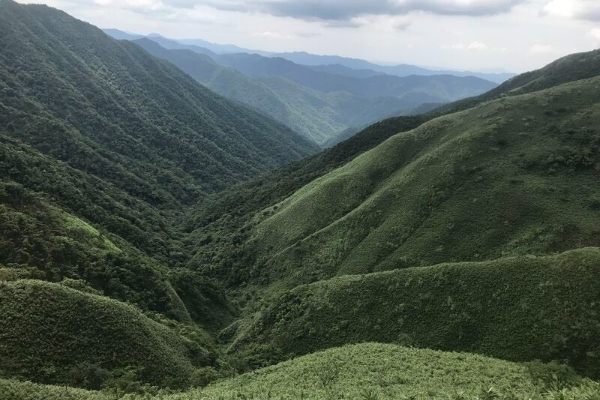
point(515, 35)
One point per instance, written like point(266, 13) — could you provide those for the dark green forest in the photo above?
point(160, 241)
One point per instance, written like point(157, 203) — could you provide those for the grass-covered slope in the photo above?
point(368, 371)
point(55, 334)
point(520, 309)
point(513, 176)
point(219, 225)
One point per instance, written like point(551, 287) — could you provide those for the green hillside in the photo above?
point(513, 176)
point(102, 147)
point(368, 371)
point(520, 309)
point(113, 111)
point(54, 334)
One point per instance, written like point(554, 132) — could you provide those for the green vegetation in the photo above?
point(130, 263)
point(370, 371)
point(521, 309)
point(318, 116)
point(50, 333)
point(75, 94)
point(513, 176)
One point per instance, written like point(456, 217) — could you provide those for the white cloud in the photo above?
point(273, 35)
point(542, 49)
point(595, 34)
point(580, 9)
point(477, 46)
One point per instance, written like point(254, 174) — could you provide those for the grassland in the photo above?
point(368, 371)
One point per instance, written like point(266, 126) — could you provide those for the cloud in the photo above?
point(343, 10)
point(273, 35)
point(351, 23)
point(473, 46)
point(401, 24)
point(595, 34)
point(579, 9)
point(542, 49)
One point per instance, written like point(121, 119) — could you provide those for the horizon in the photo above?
point(474, 35)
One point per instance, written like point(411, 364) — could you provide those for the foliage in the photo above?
point(365, 371)
point(53, 334)
point(522, 309)
point(220, 224)
point(511, 177)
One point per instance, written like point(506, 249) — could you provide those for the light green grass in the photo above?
point(368, 371)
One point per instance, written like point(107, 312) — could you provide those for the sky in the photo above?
point(475, 35)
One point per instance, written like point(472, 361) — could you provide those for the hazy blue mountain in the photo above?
point(398, 70)
point(318, 116)
point(325, 63)
point(338, 69)
point(435, 88)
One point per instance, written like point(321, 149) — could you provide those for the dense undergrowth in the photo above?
point(521, 309)
point(366, 372)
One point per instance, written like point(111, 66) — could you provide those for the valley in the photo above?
point(182, 222)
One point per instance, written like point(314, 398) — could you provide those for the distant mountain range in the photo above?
point(321, 102)
point(304, 58)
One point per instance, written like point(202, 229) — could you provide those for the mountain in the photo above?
point(152, 241)
point(318, 116)
point(566, 69)
point(496, 185)
point(402, 70)
point(319, 102)
point(337, 69)
point(121, 35)
point(442, 88)
point(501, 174)
point(345, 65)
point(511, 308)
point(102, 148)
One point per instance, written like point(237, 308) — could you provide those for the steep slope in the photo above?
point(110, 109)
point(519, 309)
point(220, 226)
point(101, 148)
point(318, 116)
point(512, 176)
